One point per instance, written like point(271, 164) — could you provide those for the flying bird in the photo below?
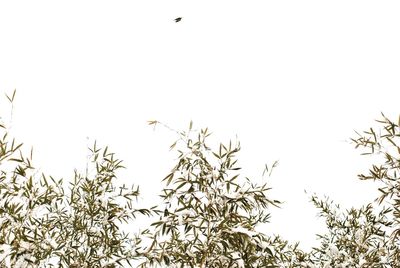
point(178, 19)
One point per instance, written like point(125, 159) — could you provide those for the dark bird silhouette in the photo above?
point(178, 19)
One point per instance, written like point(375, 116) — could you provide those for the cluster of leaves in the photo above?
point(384, 143)
point(209, 213)
point(355, 238)
point(288, 255)
point(28, 233)
point(27, 229)
point(367, 236)
point(43, 225)
point(90, 226)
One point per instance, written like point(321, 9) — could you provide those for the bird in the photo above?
point(178, 19)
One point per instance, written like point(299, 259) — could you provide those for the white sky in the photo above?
point(292, 79)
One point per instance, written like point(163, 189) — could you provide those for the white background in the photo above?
point(292, 79)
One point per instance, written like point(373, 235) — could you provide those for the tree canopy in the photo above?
point(209, 214)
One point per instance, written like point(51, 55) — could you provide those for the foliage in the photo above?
point(385, 144)
point(27, 227)
point(355, 238)
point(94, 210)
point(287, 255)
point(42, 225)
point(368, 236)
point(209, 213)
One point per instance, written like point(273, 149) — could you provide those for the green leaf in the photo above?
point(12, 97)
point(169, 178)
